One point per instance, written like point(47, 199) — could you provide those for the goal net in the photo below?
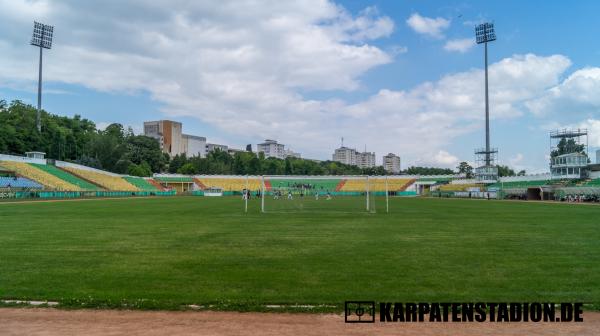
point(323, 194)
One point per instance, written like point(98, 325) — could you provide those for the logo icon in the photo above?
point(359, 311)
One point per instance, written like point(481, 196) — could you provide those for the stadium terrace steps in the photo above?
point(167, 179)
point(110, 182)
point(459, 187)
point(376, 184)
point(340, 185)
point(46, 179)
point(200, 184)
point(407, 184)
point(66, 176)
point(316, 184)
point(268, 185)
point(141, 183)
point(156, 184)
point(520, 184)
point(231, 184)
point(593, 183)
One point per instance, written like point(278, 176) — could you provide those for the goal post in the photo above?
point(347, 194)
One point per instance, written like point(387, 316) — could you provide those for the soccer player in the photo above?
point(328, 195)
point(290, 195)
point(317, 196)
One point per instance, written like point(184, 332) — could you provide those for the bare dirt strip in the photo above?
point(48, 321)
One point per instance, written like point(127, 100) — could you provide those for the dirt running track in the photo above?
point(47, 321)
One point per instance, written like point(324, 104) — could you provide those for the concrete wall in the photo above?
point(5, 157)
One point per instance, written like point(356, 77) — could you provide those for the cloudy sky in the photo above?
point(394, 76)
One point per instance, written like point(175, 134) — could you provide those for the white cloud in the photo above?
point(433, 27)
point(593, 127)
point(445, 159)
point(578, 94)
point(459, 45)
point(422, 121)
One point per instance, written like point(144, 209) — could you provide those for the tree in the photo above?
point(505, 171)
point(188, 169)
point(465, 168)
point(289, 170)
point(177, 162)
point(565, 146)
point(428, 171)
point(139, 170)
point(522, 173)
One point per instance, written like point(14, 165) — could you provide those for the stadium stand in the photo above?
point(46, 179)
point(176, 179)
point(376, 184)
point(595, 182)
point(141, 183)
point(317, 184)
point(18, 182)
point(110, 182)
point(436, 179)
point(519, 184)
point(231, 184)
point(155, 184)
point(460, 187)
point(61, 174)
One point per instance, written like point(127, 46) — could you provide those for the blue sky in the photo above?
point(308, 73)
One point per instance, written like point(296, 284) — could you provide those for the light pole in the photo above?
point(42, 38)
point(484, 33)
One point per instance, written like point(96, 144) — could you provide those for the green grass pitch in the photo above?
point(170, 252)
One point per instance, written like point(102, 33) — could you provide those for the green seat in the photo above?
point(65, 176)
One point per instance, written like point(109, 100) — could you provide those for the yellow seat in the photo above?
point(231, 184)
point(375, 184)
point(110, 182)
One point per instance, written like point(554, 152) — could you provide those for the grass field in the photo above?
point(168, 252)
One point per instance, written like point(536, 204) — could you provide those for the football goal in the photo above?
point(324, 194)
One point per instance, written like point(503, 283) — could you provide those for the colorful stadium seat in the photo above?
point(18, 182)
point(231, 184)
point(110, 182)
point(460, 187)
point(316, 184)
point(83, 184)
point(376, 184)
point(46, 179)
point(141, 183)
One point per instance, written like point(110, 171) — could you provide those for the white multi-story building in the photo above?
point(350, 156)
point(598, 156)
point(271, 149)
point(168, 134)
point(291, 153)
point(391, 163)
point(211, 147)
point(365, 159)
point(193, 145)
point(345, 155)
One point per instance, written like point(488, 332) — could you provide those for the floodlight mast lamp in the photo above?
point(42, 38)
point(484, 33)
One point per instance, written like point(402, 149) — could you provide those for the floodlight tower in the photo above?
point(484, 33)
point(42, 38)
